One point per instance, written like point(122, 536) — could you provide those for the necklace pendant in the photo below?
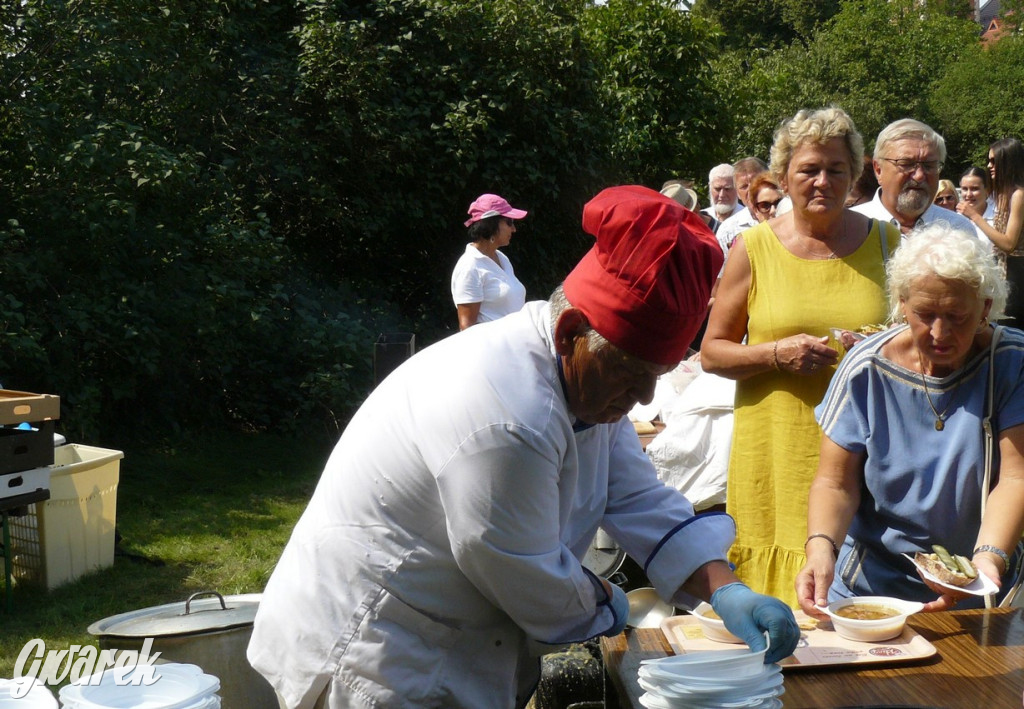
point(939, 424)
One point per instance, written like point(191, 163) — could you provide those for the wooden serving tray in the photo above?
point(819, 647)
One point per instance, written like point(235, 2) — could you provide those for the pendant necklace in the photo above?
point(940, 416)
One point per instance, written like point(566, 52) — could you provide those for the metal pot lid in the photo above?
point(191, 617)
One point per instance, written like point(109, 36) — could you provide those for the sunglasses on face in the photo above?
point(945, 198)
point(767, 206)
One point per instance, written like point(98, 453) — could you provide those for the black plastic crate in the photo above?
point(24, 449)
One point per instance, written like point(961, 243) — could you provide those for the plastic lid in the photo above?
point(38, 697)
point(192, 617)
point(177, 686)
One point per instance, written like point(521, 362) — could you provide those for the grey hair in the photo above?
point(939, 249)
point(908, 128)
point(558, 304)
point(817, 126)
point(723, 170)
point(749, 166)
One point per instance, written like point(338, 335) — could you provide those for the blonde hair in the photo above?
point(947, 185)
point(818, 126)
point(939, 249)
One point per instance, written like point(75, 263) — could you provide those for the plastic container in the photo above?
point(177, 686)
point(713, 627)
point(72, 533)
point(38, 697)
point(872, 630)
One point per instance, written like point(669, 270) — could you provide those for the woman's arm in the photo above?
point(1004, 514)
point(1006, 242)
point(468, 314)
point(722, 351)
point(831, 504)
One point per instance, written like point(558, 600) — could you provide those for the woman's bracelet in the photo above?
point(820, 535)
point(994, 550)
point(775, 356)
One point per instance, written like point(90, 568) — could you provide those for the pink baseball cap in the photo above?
point(491, 205)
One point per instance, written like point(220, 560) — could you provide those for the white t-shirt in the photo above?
point(478, 279)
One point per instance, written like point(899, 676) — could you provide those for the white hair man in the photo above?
point(722, 194)
point(744, 171)
point(907, 161)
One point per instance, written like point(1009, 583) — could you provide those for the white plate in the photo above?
point(722, 694)
point(677, 683)
point(981, 586)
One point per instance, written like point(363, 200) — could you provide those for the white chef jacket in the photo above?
point(476, 278)
point(448, 527)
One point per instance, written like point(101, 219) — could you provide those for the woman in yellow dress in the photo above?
point(786, 284)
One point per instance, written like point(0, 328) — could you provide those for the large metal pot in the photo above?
point(212, 633)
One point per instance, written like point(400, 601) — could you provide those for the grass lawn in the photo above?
point(209, 513)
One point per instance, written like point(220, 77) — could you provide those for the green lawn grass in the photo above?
point(209, 513)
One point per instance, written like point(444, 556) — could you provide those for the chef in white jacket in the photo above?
point(440, 553)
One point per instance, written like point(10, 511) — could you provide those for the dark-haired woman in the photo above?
point(1006, 168)
point(975, 187)
point(484, 286)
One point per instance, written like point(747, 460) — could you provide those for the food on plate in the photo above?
point(866, 611)
point(708, 613)
point(871, 329)
point(645, 428)
point(807, 623)
point(952, 569)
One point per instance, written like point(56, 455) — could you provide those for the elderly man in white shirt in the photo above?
point(907, 161)
point(744, 171)
point(722, 194)
point(442, 550)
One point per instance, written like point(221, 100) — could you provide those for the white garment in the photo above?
point(692, 452)
point(448, 527)
point(732, 227)
point(478, 279)
point(876, 210)
point(735, 210)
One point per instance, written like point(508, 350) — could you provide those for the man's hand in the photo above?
point(748, 615)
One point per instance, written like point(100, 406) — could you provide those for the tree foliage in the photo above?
point(878, 60)
point(978, 99)
point(212, 206)
point(765, 24)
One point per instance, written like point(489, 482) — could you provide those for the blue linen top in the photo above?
point(920, 486)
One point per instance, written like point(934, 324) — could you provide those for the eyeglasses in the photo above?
point(767, 206)
point(945, 198)
point(908, 166)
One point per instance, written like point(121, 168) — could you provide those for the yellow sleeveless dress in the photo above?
point(775, 436)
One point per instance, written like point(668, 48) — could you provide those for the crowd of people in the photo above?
point(441, 554)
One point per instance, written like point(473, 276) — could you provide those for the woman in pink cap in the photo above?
point(484, 286)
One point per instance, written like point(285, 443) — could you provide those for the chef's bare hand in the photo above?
point(804, 354)
point(748, 615)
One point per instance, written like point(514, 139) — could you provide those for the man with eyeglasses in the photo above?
point(907, 161)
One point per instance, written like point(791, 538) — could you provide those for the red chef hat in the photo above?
point(645, 284)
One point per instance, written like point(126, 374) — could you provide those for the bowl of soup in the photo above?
point(712, 625)
point(871, 618)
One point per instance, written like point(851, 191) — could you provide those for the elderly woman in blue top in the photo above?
point(902, 457)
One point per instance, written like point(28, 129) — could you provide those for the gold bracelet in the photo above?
point(820, 535)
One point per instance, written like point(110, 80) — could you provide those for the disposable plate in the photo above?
point(981, 586)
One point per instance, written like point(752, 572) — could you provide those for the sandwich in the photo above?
point(952, 569)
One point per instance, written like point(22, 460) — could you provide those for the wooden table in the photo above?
point(979, 665)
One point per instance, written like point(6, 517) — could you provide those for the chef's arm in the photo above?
point(708, 579)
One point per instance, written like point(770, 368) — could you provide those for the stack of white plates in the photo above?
point(719, 679)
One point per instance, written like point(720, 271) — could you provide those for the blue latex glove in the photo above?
point(619, 605)
point(748, 615)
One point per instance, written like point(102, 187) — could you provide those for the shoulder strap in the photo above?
point(986, 423)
